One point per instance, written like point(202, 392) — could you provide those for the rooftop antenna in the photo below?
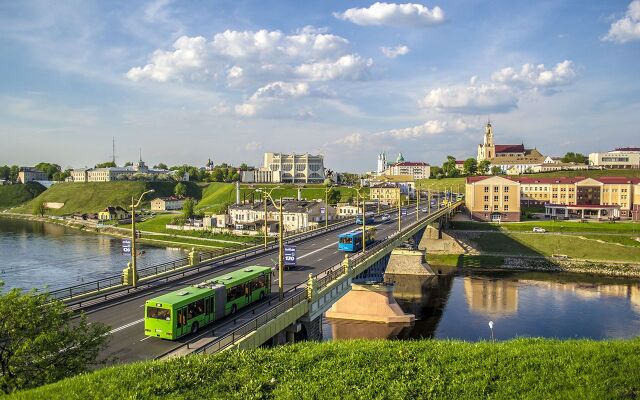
point(140, 149)
point(113, 150)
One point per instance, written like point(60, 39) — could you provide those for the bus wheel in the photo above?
point(234, 309)
point(261, 295)
point(194, 327)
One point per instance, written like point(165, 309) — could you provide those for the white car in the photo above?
point(537, 229)
point(424, 210)
point(385, 217)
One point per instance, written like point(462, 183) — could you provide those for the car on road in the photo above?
point(385, 217)
point(537, 229)
point(425, 210)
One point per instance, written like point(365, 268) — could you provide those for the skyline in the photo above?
point(345, 80)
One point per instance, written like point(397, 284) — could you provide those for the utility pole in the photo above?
point(417, 203)
point(281, 255)
point(264, 199)
point(399, 213)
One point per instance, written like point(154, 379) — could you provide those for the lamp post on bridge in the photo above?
point(364, 219)
point(281, 242)
point(133, 269)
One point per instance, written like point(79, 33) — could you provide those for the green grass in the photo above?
point(421, 369)
point(464, 260)
point(620, 239)
point(626, 227)
point(93, 197)
point(593, 173)
point(14, 195)
point(442, 184)
point(215, 197)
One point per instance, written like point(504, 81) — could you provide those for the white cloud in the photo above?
point(246, 109)
point(471, 98)
point(627, 28)
point(348, 67)
point(282, 90)
point(253, 146)
point(430, 128)
point(235, 73)
point(392, 14)
point(351, 140)
point(188, 57)
point(537, 76)
point(393, 52)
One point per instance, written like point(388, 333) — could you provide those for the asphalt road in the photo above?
point(126, 317)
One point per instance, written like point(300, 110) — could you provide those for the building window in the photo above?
point(506, 207)
point(506, 198)
point(486, 198)
point(495, 198)
point(496, 189)
point(486, 189)
point(506, 189)
point(495, 208)
point(486, 207)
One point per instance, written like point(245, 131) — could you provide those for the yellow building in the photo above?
point(112, 213)
point(492, 198)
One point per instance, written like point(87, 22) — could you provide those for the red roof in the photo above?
point(546, 180)
point(509, 148)
point(627, 149)
point(459, 161)
point(583, 205)
point(530, 179)
point(471, 179)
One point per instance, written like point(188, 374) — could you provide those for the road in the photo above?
point(128, 342)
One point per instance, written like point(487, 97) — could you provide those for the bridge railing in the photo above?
point(328, 275)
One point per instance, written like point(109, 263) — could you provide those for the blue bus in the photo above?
point(368, 216)
point(352, 241)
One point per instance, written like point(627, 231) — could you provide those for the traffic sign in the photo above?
point(322, 210)
point(290, 257)
point(126, 246)
point(403, 211)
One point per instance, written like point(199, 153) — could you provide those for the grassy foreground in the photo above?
point(523, 368)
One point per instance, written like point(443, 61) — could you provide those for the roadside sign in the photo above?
point(290, 257)
point(322, 210)
point(126, 246)
point(403, 211)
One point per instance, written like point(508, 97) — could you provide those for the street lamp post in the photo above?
point(134, 270)
point(326, 206)
point(399, 213)
point(280, 240)
point(364, 219)
point(417, 203)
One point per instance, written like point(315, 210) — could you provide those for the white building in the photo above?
point(287, 168)
point(167, 203)
point(418, 170)
point(624, 157)
point(382, 163)
point(296, 215)
point(117, 173)
point(30, 174)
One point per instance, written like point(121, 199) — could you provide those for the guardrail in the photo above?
point(164, 270)
point(330, 274)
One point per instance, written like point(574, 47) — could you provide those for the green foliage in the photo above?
point(349, 179)
point(39, 208)
point(128, 164)
point(470, 166)
point(483, 167)
point(14, 195)
point(333, 196)
point(435, 171)
point(187, 208)
point(449, 167)
point(495, 170)
point(49, 168)
point(357, 369)
point(41, 341)
point(161, 166)
point(575, 158)
point(180, 190)
point(108, 164)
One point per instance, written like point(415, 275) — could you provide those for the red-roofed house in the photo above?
point(511, 158)
point(418, 170)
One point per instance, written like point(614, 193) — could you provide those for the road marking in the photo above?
point(148, 337)
point(130, 324)
point(315, 251)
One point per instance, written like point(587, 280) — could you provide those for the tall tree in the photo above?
point(187, 208)
point(449, 167)
point(108, 164)
point(49, 168)
point(39, 208)
point(13, 173)
point(577, 158)
point(495, 170)
point(470, 166)
point(333, 196)
point(161, 166)
point(180, 190)
point(483, 166)
point(41, 341)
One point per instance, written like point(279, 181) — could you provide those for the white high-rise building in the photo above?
point(382, 163)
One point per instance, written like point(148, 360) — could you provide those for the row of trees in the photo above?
point(470, 167)
point(54, 172)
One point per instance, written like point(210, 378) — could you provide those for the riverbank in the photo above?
point(522, 368)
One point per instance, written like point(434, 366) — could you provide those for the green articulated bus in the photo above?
point(184, 311)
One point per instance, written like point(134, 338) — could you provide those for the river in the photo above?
point(460, 304)
point(36, 254)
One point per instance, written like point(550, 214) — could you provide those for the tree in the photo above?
point(128, 164)
point(5, 172)
point(49, 168)
point(244, 167)
point(180, 190)
point(161, 166)
point(483, 166)
point(495, 170)
point(108, 164)
point(434, 171)
point(470, 166)
point(333, 196)
point(44, 342)
point(187, 208)
point(39, 208)
point(449, 167)
point(577, 158)
point(13, 173)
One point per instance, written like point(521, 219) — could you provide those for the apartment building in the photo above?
point(167, 203)
point(417, 170)
point(620, 158)
point(296, 215)
point(387, 189)
point(492, 198)
point(30, 174)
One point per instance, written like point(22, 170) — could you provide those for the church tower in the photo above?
point(382, 163)
point(487, 150)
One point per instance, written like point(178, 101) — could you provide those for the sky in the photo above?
point(186, 81)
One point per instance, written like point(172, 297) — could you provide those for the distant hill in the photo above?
point(95, 196)
point(14, 195)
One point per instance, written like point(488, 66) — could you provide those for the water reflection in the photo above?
point(35, 254)
point(459, 305)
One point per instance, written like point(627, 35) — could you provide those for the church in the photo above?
point(513, 159)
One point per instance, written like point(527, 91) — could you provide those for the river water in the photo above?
point(460, 304)
point(37, 254)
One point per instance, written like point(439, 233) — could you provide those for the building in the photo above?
point(30, 174)
point(287, 168)
point(385, 188)
point(551, 164)
point(417, 170)
point(139, 169)
point(259, 175)
point(297, 215)
point(511, 158)
point(382, 163)
point(113, 213)
point(624, 158)
point(216, 221)
point(492, 198)
point(460, 165)
point(167, 203)
point(345, 210)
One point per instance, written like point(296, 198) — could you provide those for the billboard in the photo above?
point(290, 257)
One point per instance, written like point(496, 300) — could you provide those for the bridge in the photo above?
point(323, 276)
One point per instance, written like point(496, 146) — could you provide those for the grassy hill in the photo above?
point(13, 195)
point(421, 369)
point(215, 196)
point(95, 196)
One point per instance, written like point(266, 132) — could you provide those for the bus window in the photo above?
point(207, 306)
point(234, 293)
point(346, 240)
point(195, 309)
point(159, 313)
point(182, 320)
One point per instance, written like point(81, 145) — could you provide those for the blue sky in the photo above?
point(187, 81)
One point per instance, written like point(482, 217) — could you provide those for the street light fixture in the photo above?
point(134, 270)
point(281, 241)
point(326, 206)
point(264, 200)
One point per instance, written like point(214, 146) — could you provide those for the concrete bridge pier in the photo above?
point(408, 262)
point(435, 240)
